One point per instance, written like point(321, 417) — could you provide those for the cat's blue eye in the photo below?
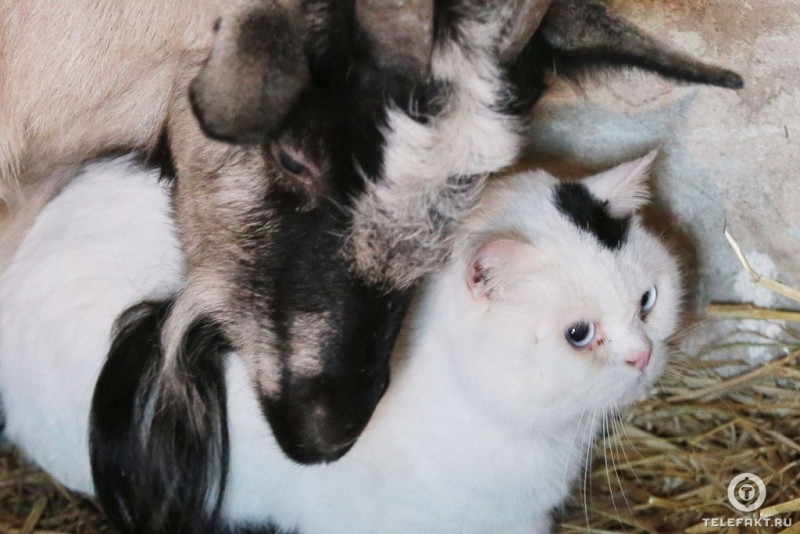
point(648, 300)
point(580, 334)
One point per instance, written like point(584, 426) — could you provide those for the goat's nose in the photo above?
point(639, 359)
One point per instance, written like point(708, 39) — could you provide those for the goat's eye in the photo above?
point(290, 164)
point(648, 301)
point(290, 160)
point(300, 171)
point(580, 334)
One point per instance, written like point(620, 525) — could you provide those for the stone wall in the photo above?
point(725, 155)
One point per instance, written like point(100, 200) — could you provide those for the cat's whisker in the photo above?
point(680, 370)
point(572, 446)
point(791, 332)
point(604, 443)
point(689, 329)
point(624, 433)
point(619, 446)
point(587, 482)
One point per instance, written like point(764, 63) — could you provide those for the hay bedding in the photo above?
point(32, 502)
point(668, 462)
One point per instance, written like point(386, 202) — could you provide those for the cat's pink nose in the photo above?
point(639, 359)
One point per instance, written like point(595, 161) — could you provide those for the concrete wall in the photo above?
point(725, 155)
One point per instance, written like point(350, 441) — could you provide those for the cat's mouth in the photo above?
point(641, 384)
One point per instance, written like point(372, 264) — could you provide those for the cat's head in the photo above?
point(561, 302)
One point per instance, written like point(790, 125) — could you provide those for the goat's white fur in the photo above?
point(471, 137)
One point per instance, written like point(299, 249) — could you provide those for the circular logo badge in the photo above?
point(747, 492)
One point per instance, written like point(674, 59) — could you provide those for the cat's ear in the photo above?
point(625, 186)
point(494, 263)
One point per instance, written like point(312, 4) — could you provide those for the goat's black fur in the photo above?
point(304, 275)
point(161, 157)
point(159, 440)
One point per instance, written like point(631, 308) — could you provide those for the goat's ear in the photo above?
point(625, 186)
point(587, 34)
point(158, 431)
point(256, 70)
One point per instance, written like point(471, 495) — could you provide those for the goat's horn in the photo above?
point(400, 32)
point(526, 16)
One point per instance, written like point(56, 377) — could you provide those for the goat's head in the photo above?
point(263, 216)
point(357, 137)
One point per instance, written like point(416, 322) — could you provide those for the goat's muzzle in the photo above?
point(319, 420)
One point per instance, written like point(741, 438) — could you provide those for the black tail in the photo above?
point(159, 437)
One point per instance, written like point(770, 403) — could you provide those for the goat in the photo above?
point(350, 157)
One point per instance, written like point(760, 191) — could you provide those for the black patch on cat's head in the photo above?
point(591, 214)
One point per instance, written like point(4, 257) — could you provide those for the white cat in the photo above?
point(554, 311)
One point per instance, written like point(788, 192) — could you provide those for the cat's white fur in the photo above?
point(103, 244)
point(486, 422)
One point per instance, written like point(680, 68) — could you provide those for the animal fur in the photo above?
point(483, 429)
point(305, 232)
